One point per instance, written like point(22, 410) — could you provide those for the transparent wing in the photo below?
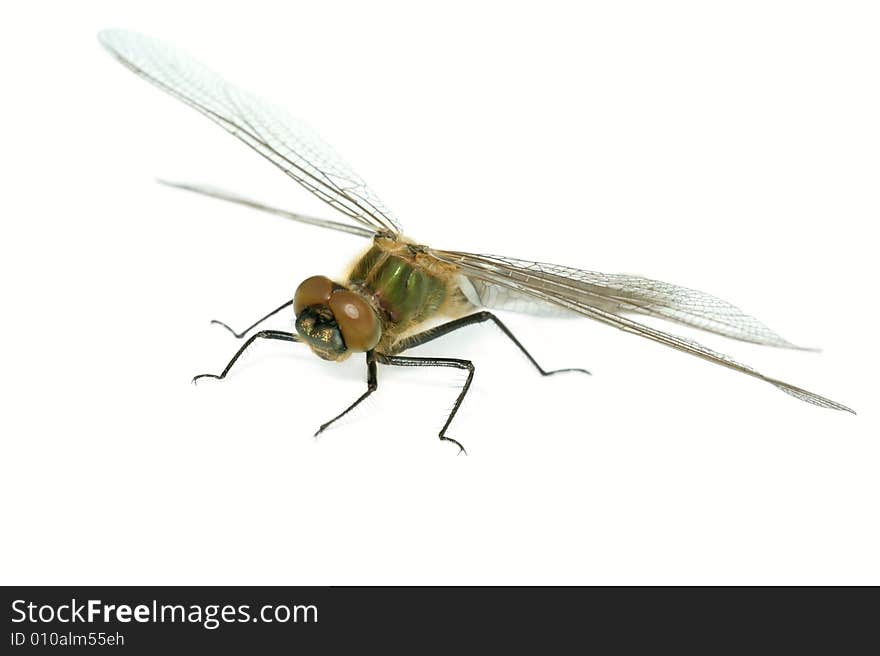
point(230, 197)
point(489, 295)
point(568, 289)
point(286, 142)
point(622, 294)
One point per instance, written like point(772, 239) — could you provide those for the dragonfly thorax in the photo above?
point(333, 320)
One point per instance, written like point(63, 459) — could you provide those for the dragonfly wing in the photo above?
point(495, 297)
point(628, 294)
point(285, 141)
point(231, 197)
point(565, 288)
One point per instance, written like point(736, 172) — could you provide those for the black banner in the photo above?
point(148, 619)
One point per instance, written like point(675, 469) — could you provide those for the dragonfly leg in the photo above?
point(255, 323)
point(400, 361)
point(263, 334)
point(372, 384)
point(471, 319)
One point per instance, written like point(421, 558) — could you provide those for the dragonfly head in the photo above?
point(334, 321)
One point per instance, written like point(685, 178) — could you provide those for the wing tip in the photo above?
point(843, 408)
point(784, 343)
point(107, 36)
point(811, 397)
point(171, 183)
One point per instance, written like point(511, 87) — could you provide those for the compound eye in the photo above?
point(312, 291)
point(357, 320)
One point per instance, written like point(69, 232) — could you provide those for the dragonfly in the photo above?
point(398, 288)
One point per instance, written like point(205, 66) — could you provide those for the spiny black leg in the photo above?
point(263, 334)
point(372, 384)
point(255, 323)
point(399, 361)
point(479, 317)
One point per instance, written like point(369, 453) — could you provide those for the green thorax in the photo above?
point(404, 291)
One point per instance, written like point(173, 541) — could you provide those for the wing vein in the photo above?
point(287, 143)
point(555, 291)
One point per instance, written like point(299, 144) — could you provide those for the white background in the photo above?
point(731, 147)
